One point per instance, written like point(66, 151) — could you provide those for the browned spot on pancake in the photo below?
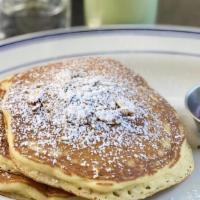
point(93, 118)
point(3, 142)
point(161, 153)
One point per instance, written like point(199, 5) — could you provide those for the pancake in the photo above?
point(96, 129)
point(15, 185)
point(5, 161)
point(20, 187)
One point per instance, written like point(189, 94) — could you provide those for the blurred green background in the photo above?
point(170, 12)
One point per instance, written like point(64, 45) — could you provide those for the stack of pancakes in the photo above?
point(91, 127)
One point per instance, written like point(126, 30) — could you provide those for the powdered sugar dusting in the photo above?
point(97, 121)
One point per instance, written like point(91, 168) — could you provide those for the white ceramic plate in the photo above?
point(168, 58)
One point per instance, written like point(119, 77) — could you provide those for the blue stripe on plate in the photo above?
point(49, 35)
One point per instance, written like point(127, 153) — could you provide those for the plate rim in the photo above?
point(124, 30)
point(155, 30)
